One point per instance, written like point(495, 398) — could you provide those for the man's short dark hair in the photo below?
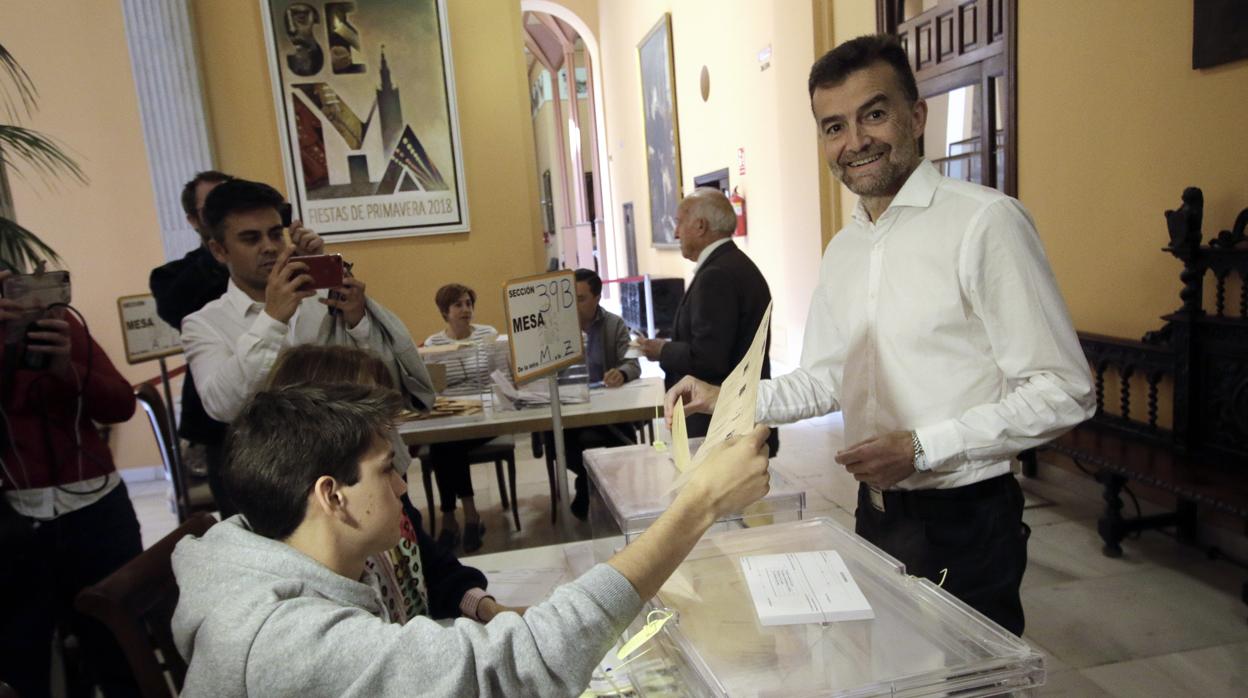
point(449, 294)
point(590, 277)
point(188, 191)
point(856, 54)
point(286, 438)
point(234, 196)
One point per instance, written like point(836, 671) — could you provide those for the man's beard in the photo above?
point(895, 168)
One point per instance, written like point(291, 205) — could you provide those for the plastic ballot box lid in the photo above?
point(635, 484)
point(921, 641)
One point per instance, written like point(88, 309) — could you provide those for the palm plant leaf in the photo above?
point(22, 149)
point(20, 145)
point(22, 249)
point(12, 72)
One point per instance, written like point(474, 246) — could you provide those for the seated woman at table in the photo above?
point(465, 375)
point(416, 577)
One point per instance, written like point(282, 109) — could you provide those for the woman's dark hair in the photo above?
point(856, 54)
point(448, 294)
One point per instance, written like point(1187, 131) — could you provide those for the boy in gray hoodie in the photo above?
point(270, 603)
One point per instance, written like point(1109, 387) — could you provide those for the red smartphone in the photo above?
point(326, 270)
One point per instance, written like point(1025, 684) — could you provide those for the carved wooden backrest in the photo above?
point(1204, 354)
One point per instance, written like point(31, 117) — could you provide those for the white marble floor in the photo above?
point(1163, 620)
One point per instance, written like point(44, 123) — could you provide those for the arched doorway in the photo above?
point(565, 91)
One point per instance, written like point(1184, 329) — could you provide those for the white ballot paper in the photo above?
point(796, 588)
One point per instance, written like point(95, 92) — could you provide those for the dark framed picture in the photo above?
point(658, 91)
point(365, 98)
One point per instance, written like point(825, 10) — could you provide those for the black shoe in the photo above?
point(580, 504)
point(472, 536)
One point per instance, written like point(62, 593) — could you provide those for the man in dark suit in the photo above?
point(720, 312)
point(180, 288)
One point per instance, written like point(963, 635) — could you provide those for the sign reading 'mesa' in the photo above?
point(544, 333)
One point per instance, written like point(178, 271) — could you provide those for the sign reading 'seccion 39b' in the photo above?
point(543, 330)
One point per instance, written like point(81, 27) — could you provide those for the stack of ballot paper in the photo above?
point(809, 587)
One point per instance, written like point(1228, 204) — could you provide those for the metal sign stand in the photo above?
point(174, 447)
point(561, 461)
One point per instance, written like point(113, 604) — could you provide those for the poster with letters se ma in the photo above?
point(365, 98)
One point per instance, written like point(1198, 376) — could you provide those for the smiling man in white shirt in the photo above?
point(232, 342)
point(938, 329)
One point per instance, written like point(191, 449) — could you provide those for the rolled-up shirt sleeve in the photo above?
point(1048, 383)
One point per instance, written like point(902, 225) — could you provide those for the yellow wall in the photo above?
point(765, 112)
point(106, 231)
point(499, 162)
point(1113, 124)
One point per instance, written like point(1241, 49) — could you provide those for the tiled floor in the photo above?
point(1163, 620)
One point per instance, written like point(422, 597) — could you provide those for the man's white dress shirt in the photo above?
point(942, 317)
point(706, 252)
point(231, 344)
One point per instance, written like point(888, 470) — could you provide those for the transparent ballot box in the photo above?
point(631, 489)
point(526, 578)
point(921, 642)
point(461, 379)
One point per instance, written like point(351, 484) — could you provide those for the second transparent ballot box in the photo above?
point(922, 641)
point(632, 487)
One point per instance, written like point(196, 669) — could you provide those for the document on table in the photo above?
point(808, 587)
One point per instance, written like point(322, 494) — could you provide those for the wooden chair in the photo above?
point(191, 494)
point(498, 450)
point(136, 603)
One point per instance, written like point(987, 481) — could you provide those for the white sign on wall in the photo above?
point(543, 330)
point(147, 337)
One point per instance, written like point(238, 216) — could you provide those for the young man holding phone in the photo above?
point(271, 302)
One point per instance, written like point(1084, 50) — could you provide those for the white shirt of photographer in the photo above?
point(231, 344)
point(942, 317)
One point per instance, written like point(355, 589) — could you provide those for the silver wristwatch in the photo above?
point(920, 458)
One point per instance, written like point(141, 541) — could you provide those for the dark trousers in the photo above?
point(975, 532)
point(39, 582)
point(451, 468)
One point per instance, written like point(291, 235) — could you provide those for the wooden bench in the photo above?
point(1202, 359)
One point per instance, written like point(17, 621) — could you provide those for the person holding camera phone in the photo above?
point(271, 301)
point(66, 520)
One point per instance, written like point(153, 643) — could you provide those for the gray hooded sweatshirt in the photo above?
point(256, 617)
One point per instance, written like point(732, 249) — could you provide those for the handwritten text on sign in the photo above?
point(543, 329)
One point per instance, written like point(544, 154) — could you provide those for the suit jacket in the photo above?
point(715, 324)
point(182, 287)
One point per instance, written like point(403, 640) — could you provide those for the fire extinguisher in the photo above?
point(738, 205)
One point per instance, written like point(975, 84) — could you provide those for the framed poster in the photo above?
point(365, 99)
point(658, 92)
